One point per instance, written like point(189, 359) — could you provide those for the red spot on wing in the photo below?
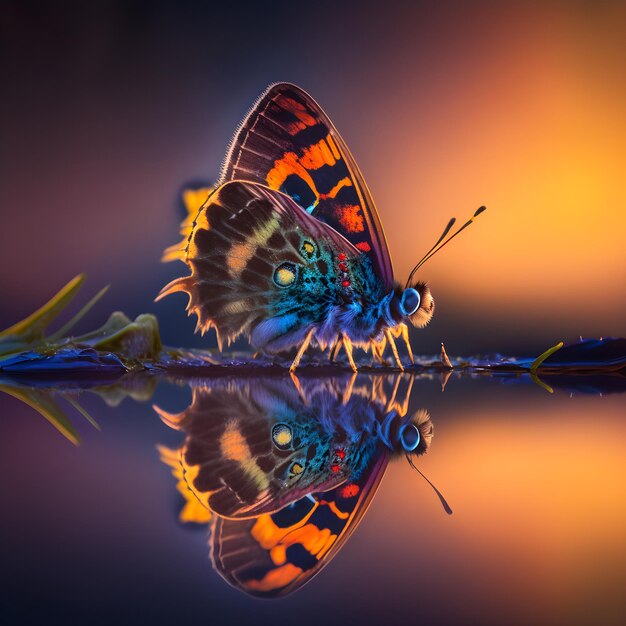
point(364, 246)
point(349, 491)
point(341, 256)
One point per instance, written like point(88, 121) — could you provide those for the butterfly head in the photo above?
point(423, 304)
point(409, 436)
point(415, 435)
point(413, 304)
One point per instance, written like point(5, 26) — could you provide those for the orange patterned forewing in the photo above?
point(288, 143)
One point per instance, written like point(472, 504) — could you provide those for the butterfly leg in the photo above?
point(392, 402)
point(378, 349)
point(400, 406)
point(334, 351)
point(378, 390)
point(394, 349)
point(404, 333)
point(347, 346)
point(347, 393)
point(296, 382)
point(302, 350)
point(403, 407)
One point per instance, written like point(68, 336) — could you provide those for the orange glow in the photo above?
point(518, 106)
point(538, 499)
point(530, 123)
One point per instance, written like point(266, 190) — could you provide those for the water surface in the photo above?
point(536, 482)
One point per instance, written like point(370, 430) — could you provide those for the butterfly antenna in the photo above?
point(446, 230)
point(446, 506)
point(438, 247)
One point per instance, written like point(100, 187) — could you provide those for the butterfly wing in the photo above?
point(262, 266)
point(288, 143)
point(275, 555)
point(249, 452)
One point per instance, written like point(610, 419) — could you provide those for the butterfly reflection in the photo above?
point(282, 475)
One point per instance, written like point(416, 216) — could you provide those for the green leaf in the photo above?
point(542, 357)
point(33, 327)
point(62, 332)
point(136, 340)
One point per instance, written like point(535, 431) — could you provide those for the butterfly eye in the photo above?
point(281, 436)
point(410, 301)
point(409, 437)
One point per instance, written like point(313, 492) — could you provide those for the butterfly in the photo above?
point(284, 485)
point(289, 249)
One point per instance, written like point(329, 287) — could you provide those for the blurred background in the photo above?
point(108, 108)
